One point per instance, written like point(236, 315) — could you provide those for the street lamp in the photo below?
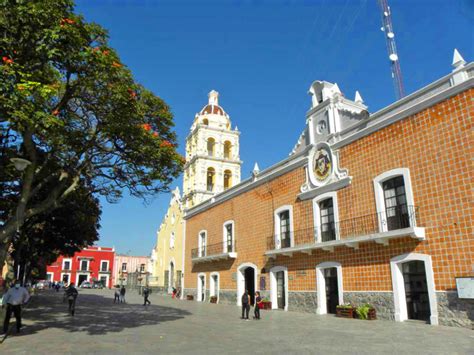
point(20, 165)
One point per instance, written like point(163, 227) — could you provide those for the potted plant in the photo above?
point(345, 311)
point(213, 299)
point(189, 297)
point(266, 304)
point(366, 311)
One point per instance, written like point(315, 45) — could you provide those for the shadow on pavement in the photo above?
point(95, 314)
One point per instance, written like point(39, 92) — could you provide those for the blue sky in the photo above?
point(262, 56)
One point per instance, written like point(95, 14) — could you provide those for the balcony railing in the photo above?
point(393, 218)
point(213, 250)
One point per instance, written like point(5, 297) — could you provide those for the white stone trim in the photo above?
point(276, 214)
point(80, 264)
point(107, 279)
point(321, 285)
point(52, 276)
point(224, 236)
point(379, 195)
point(69, 277)
point(200, 291)
point(70, 264)
point(317, 213)
point(80, 274)
point(212, 287)
point(200, 249)
point(107, 268)
point(169, 274)
point(273, 286)
point(241, 280)
point(398, 285)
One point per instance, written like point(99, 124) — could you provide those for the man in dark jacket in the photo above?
point(122, 294)
point(146, 293)
point(245, 304)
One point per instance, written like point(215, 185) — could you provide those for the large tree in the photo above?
point(65, 93)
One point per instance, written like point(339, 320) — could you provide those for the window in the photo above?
point(66, 264)
point(124, 267)
point(394, 200)
point(142, 267)
point(229, 237)
point(104, 265)
point(284, 227)
point(84, 265)
point(395, 203)
point(210, 146)
point(227, 179)
point(211, 173)
point(326, 211)
point(227, 149)
point(205, 122)
point(202, 243)
point(326, 217)
point(172, 240)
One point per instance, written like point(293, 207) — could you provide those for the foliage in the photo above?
point(345, 306)
point(363, 311)
point(65, 95)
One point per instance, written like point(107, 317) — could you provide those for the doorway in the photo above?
point(332, 292)
point(171, 277)
point(416, 290)
point(249, 276)
point(201, 288)
point(280, 278)
point(279, 287)
point(81, 279)
point(214, 286)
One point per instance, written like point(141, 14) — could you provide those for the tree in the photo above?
point(65, 93)
point(62, 231)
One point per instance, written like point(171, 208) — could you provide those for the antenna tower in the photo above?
point(387, 27)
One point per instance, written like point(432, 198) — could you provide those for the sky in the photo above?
point(262, 56)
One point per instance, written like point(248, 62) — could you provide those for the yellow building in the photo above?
point(212, 166)
point(167, 256)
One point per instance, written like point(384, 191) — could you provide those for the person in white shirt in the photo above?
point(14, 298)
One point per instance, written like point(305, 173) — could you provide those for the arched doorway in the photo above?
point(413, 288)
point(246, 280)
point(201, 287)
point(279, 287)
point(329, 287)
point(171, 277)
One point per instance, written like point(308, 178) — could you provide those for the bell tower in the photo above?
point(212, 154)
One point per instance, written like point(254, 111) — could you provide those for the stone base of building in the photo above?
point(159, 290)
point(381, 301)
point(455, 312)
point(302, 301)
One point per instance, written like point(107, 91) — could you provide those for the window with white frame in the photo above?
point(202, 243)
point(124, 267)
point(142, 267)
point(284, 227)
point(67, 264)
point(394, 200)
point(172, 238)
point(229, 237)
point(84, 265)
point(326, 217)
point(104, 265)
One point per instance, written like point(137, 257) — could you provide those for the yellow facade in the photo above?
point(167, 256)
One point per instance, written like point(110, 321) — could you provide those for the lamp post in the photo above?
point(20, 165)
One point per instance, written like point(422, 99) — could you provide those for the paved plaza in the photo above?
point(175, 326)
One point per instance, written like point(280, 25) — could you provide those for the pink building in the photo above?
point(126, 265)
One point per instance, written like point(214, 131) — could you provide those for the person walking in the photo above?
point(117, 295)
point(15, 297)
point(245, 305)
point(71, 294)
point(122, 294)
point(258, 303)
point(146, 293)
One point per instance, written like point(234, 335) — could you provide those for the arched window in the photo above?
point(227, 149)
point(227, 179)
point(205, 122)
point(211, 174)
point(210, 146)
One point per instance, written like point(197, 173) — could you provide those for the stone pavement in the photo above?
point(174, 326)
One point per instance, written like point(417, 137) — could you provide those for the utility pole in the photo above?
point(387, 28)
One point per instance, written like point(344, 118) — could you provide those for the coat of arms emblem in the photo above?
point(322, 164)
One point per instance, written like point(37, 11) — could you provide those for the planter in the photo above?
point(266, 305)
point(213, 299)
point(189, 297)
point(346, 312)
point(372, 314)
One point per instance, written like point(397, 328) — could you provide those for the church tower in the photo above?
point(212, 154)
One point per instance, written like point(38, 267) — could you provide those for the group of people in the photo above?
point(246, 305)
point(119, 294)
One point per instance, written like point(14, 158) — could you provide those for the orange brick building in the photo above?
point(370, 208)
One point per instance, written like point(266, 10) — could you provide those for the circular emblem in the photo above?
point(322, 164)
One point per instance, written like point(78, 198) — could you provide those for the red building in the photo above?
point(90, 264)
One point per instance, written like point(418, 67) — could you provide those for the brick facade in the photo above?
point(434, 144)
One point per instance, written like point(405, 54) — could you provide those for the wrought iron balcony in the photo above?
point(394, 222)
point(223, 250)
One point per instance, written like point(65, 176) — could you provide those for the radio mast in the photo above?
point(387, 28)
